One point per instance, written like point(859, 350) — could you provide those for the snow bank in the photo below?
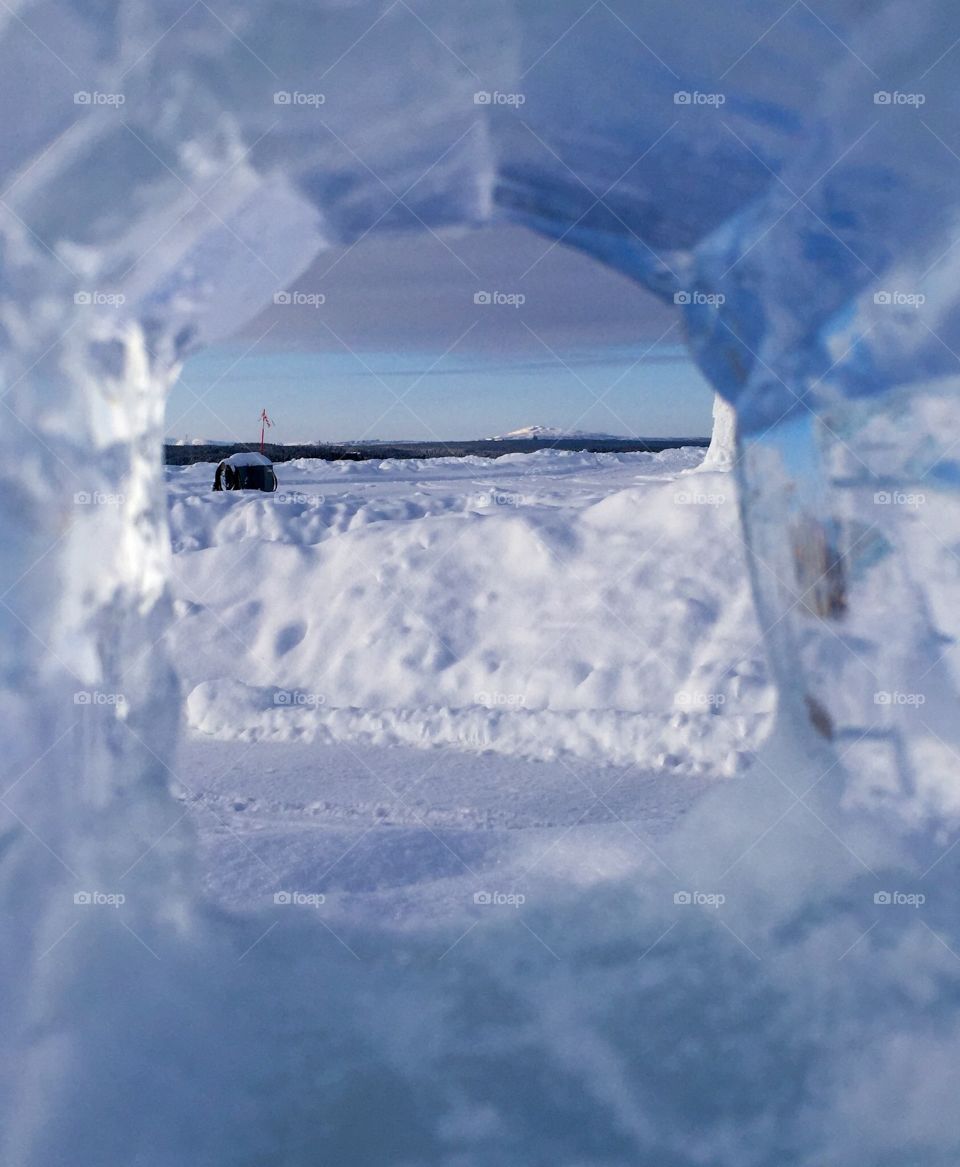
point(432, 605)
point(689, 743)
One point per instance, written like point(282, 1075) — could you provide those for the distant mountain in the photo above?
point(529, 432)
point(197, 442)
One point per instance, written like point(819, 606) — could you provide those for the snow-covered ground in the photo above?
point(411, 674)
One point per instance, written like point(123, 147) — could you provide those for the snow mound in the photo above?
point(692, 744)
point(403, 607)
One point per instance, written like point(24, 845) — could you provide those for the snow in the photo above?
point(379, 837)
point(622, 1013)
point(247, 458)
point(430, 603)
point(407, 632)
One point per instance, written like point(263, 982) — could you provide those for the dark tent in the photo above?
point(245, 471)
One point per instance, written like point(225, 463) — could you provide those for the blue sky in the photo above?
point(329, 397)
point(398, 347)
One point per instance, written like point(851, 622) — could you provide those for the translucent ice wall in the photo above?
point(789, 178)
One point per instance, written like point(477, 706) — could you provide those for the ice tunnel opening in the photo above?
point(443, 342)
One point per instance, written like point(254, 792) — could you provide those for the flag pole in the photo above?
point(264, 422)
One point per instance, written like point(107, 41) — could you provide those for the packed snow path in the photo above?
point(403, 836)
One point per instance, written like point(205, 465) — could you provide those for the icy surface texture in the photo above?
point(797, 223)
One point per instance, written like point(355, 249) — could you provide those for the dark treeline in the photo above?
point(361, 452)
